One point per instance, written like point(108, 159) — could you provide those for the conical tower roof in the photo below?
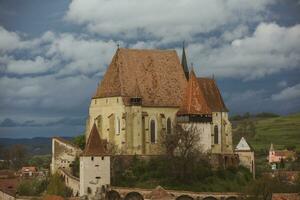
point(95, 146)
point(194, 102)
point(243, 145)
point(184, 63)
point(271, 147)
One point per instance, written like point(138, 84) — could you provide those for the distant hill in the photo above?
point(282, 131)
point(34, 146)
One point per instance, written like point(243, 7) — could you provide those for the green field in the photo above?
point(283, 131)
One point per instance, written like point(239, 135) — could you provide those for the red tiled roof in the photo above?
point(29, 169)
point(158, 74)
point(194, 102)
point(285, 153)
point(6, 173)
point(212, 95)
point(9, 185)
point(95, 146)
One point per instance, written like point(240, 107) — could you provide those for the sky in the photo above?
point(53, 54)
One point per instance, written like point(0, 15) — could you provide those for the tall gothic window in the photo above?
point(99, 123)
point(169, 126)
point(118, 126)
point(216, 134)
point(153, 131)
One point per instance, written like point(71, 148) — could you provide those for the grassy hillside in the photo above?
point(283, 131)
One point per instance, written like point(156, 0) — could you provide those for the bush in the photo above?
point(57, 186)
point(31, 187)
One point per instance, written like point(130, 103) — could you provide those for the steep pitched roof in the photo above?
point(212, 95)
point(158, 73)
point(95, 146)
point(184, 63)
point(194, 102)
point(243, 145)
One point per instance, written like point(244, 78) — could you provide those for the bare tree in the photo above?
point(183, 150)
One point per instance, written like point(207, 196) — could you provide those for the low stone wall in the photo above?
point(70, 181)
point(6, 195)
point(178, 195)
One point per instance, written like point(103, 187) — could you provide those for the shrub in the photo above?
point(31, 187)
point(57, 187)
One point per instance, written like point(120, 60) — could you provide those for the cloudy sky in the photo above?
point(54, 53)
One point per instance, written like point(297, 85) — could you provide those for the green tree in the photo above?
point(79, 141)
point(75, 167)
point(18, 156)
point(57, 186)
point(31, 187)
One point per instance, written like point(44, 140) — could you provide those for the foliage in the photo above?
point(262, 188)
point(79, 141)
point(247, 115)
point(18, 156)
point(40, 161)
point(159, 171)
point(75, 167)
point(32, 187)
point(57, 186)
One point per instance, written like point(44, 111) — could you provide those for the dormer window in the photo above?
point(136, 101)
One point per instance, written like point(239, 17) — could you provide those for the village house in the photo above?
point(29, 171)
point(276, 156)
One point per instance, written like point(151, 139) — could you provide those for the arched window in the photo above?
point(118, 126)
point(216, 134)
point(169, 126)
point(99, 123)
point(153, 131)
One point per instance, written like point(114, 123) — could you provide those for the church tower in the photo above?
point(94, 166)
point(195, 113)
point(184, 63)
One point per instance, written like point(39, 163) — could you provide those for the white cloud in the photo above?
point(288, 93)
point(162, 19)
point(8, 40)
point(270, 49)
point(23, 67)
point(82, 55)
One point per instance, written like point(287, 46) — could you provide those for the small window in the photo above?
point(169, 126)
point(216, 134)
point(96, 165)
point(102, 158)
point(117, 100)
point(98, 177)
point(92, 158)
point(118, 126)
point(89, 190)
point(153, 131)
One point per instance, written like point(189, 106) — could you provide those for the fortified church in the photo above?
point(145, 92)
point(142, 95)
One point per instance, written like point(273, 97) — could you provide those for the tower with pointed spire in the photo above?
point(184, 63)
point(94, 165)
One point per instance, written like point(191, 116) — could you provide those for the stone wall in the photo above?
point(6, 195)
point(63, 154)
point(134, 136)
point(70, 181)
point(247, 160)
